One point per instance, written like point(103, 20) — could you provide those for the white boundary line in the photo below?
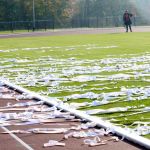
point(17, 139)
point(105, 124)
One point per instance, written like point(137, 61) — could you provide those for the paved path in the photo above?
point(75, 31)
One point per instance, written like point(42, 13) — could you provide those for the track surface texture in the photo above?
point(76, 31)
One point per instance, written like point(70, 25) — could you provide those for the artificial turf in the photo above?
point(85, 48)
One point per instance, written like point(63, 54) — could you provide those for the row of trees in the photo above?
point(64, 13)
point(20, 10)
point(111, 11)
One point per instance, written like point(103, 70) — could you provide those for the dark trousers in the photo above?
point(128, 26)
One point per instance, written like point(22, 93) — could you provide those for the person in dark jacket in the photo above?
point(127, 20)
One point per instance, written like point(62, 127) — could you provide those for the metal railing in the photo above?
point(92, 22)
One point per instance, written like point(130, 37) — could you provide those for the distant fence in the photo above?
point(26, 25)
point(92, 22)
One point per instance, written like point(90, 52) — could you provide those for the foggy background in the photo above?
point(51, 14)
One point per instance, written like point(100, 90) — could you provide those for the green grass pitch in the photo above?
point(27, 59)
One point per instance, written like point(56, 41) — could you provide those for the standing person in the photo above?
point(127, 20)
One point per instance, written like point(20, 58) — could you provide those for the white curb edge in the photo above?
point(105, 124)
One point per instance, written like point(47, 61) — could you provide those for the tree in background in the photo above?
point(75, 13)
